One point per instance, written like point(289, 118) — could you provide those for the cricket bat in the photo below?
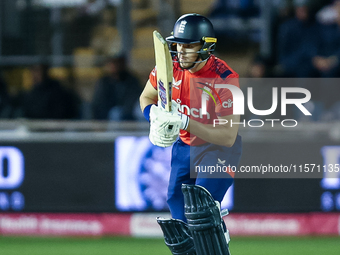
point(164, 70)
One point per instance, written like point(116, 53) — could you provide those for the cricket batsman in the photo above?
point(196, 226)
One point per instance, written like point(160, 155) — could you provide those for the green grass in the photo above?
point(144, 246)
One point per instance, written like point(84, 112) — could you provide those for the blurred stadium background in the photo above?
point(80, 184)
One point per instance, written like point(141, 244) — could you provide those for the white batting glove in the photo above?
point(184, 118)
point(168, 123)
point(165, 126)
point(161, 140)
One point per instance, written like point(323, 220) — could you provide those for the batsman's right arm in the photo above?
point(148, 96)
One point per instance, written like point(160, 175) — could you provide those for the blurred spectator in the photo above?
point(93, 7)
point(259, 67)
point(241, 8)
point(6, 109)
point(105, 37)
point(327, 59)
point(283, 9)
point(262, 89)
point(48, 99)
point(327, 64)
point(328, 14)
point(116, 93)
point(295, 43)
point(80, 23)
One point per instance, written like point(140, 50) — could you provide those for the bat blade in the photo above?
point(164, 70)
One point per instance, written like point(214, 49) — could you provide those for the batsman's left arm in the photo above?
point(159, 134)
point(149, 96)
point(222, 133)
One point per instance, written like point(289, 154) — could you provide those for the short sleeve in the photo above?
point(153, 78)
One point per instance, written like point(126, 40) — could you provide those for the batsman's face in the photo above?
point(187, 54)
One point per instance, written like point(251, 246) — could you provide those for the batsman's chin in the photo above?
point(185, 64)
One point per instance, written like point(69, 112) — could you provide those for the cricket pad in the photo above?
point(204, 221)
point(177, 236)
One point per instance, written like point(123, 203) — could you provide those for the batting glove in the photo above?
point(165, 126)
point(168, 123)
point(161, 140)
point(184, 118)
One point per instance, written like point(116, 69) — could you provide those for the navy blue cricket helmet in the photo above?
point(194, 28)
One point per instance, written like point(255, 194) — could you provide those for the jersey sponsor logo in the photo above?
point(227, 104)
point(207, 88)
point(194, 112)
point(182, 26)
point(207, 91)
point(176, 84)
